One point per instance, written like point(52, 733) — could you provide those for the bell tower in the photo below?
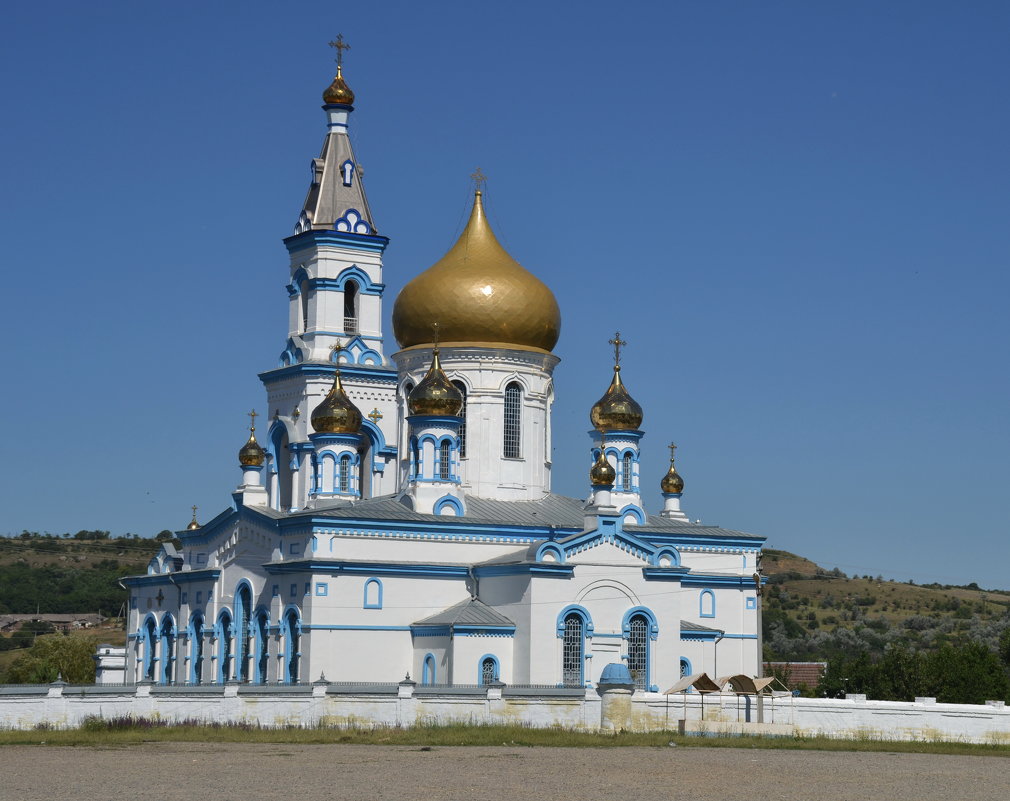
point(335, 290)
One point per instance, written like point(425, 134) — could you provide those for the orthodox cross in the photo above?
point(375, 415)
point(434, 333)
point(336, 347)
point(618, 343)
point(672, 448)
point(340, 46)
point(479, 178)
point(252, 420)
point(194, 508)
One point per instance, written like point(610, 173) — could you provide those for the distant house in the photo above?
point(797, 673)
point(60, 622)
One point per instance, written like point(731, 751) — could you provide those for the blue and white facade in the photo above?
point(422, 544)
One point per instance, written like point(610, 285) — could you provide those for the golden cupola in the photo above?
point(435, 393)
point(616, 410)
point(672, 482)
point(602, 473)
point(479, 294)
point(251, 454)
point(338, 92)
point(337, 414)
point(193, 525)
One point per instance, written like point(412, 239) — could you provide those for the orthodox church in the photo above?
point(397, 517)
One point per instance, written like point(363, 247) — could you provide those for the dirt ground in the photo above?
point(177, 771)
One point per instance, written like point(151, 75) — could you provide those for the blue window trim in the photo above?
point(294, 590)
point(667, 550)
point(701, 603)
point(322, 589)
point(224, 630)
point(647, 614)
point(635, 511)
point(448, 501)
point(581, 611)
point(428, 670)
point(480, 668)
point(685, 667)
point(196, 629)
point(291, 656)
point(376, 604)
point(751, 602)
point(261, 646)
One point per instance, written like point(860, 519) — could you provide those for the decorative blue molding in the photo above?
point(645, 612)
point(352, 222)
point(750, 602)
point(428, 669)
point(634, 510)
point(367, 568)
point(322, 589)
point(526, 568)
point(324, 627)
point(180, 577)
point(448, 501)
point(581, 611)
point(480, 668)
point(372, 243)
point(552, 548)
point(709, 580)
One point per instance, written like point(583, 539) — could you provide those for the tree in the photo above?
point(66, 655)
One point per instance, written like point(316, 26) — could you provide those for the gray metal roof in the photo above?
point(467, 613)
point(687, 625)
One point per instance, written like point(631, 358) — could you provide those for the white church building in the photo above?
point(397, 517)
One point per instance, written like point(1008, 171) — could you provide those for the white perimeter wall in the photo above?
point(62, 706)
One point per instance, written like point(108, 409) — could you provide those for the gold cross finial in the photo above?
point(340, 46)
point(337, 347)
point(672, 448)
point(194, 508)
point(479, 179)
point(618, 343)
point(434, 333)
point(252, 420)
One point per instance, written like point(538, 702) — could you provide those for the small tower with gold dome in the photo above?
point(616, 433)
point(336, 466)
point(497, 325)
point(251, 458)
point(434, 410)
point(672, 486)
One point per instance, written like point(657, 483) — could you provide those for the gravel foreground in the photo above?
point(260, 772)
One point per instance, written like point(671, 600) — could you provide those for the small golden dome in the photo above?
point(616, 410)
point(478, 293)
point(672, 482)
point(193, 525)
point(602, 473)
point(435, 393)
point(338, 92)
point(336, 414)
point(251, 454)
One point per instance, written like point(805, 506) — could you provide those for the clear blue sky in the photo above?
point(796, 213)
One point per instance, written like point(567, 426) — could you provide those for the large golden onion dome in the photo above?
point(602, 473)
point(616, 410)
point(478, 294)
point(672, 482)
point(337, 414)
point(435, 393)
point(338, 92)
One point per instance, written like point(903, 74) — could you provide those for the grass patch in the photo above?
point(135, 731)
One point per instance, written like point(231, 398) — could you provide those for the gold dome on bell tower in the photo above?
point(479, 294)
point(338, 92)
point(616, 410)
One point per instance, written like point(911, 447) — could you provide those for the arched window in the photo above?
point(303, 290)
point(706, 604)
point(196, 650)
point(292, 642)
point(488, 670)
point(685, 667)
point(243, 602)
point(224, 652)
point(150, 640)
point(513, 421)
point(444, 460)
point(462, 413)
point(626, 473)
point(345, 473)
point(350, 307)
point(262, 647)
point(373, 594)
point(428, 670)
point(167, 649)
point(638, 650)
point(573, 651)
point(415, 458)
